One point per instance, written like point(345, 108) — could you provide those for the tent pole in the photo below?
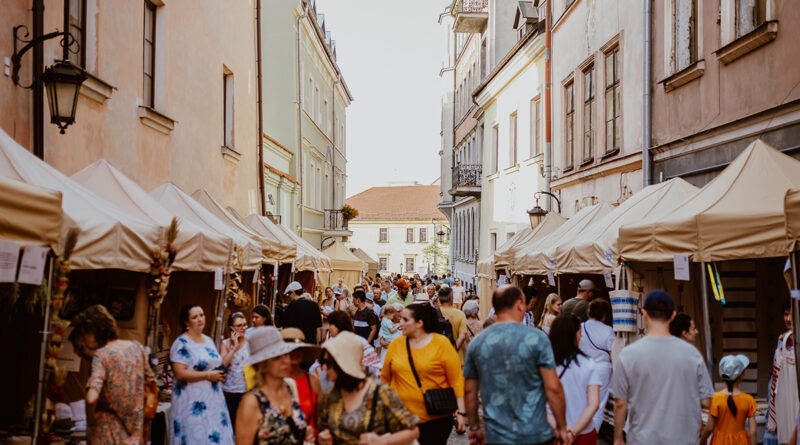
point(795, 309)
point(37, 418)
point(706, 319)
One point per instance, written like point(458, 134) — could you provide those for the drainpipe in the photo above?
point(548, 123)
point(300, 118)
point(333, 140)
point(646, 99)
point(259, 100)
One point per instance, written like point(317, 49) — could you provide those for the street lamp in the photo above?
point(440, 235)
point(63, 82)
point(537, 214)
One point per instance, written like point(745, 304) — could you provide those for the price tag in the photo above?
point(608, 278)
point(218, 278)
point(551, 279)
point(9, 256)
point(681, 264)
point(31, 269)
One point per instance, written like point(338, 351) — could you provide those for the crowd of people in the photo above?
point(405, 360)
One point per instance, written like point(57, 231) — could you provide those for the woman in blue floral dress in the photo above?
point(199, 414)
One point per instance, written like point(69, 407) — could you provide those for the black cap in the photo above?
point(658, 300)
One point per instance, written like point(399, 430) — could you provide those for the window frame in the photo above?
point(535, 116)
point(409, 235)
point(383, 234)
point(613, 88)
point(149, 8)
point(569, 124)
point(229, 109)
point(412, 261)
point(513, 129)
point(68, 25)
point(693, 36)
point(423, 235)
point(383, 263)
point(589, 84)
point(496, 143)
point(760, 17)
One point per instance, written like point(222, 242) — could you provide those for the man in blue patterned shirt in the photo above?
point(512, 366)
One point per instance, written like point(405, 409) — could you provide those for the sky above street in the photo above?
point(390, 57)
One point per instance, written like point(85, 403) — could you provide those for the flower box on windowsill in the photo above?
point(684, 76)
point(156, 120)
point(763, 34)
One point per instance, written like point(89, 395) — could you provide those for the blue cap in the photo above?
point(658, 300)
point(732, 366)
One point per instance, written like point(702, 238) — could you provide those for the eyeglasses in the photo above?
point(240, 325)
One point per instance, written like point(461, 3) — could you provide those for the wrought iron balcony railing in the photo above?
point(467, 175)
point(334, 220)
point(471, 6)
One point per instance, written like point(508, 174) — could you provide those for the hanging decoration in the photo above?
point(163, 257)
point(235, 294)
point(716, 282)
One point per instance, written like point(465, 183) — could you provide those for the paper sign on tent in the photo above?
point(31, 269)
point(681, 263)
point(608, 278)
point(551, 279)
point(9, 256)
point(218, 279)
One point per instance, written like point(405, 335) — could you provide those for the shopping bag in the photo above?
point(625, 303)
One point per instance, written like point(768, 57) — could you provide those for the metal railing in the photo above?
point(334, 220)
point(467, 175)
point(469, 6)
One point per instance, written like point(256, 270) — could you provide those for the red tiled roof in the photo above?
point(280, 173)
point(402, 202)
point(271, 139)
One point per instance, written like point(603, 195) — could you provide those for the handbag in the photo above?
point(625, 303)
point(438, 401)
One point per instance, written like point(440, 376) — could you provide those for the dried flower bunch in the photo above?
point(163, 257)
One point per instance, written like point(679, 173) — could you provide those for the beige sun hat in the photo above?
point(265, 343)
point(296, 337)
point(347, 350)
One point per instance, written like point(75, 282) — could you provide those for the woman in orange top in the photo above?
point(730, 409)
point(437, 365)
point(309, 390)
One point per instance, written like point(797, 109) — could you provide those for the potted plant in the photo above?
point(348, 213)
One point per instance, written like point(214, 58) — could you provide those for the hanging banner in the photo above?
point(551, 279)
point(9, 257)
point(681, 265)
point(31, 269)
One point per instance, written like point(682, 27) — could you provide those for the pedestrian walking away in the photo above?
point(731, 417)
point(512, 367)
point(199, 414)
point(270, 413)
point(302, 312)
point(597, 339)
point(235, 352)
point(579, 378)
point(309, 390)
point(359, 409)
point(116, 387)
point(659, 383)
point(456, 318)
point(421, 361)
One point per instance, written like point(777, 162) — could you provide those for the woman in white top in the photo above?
point(458, 293)
point(597, 339)
point(328, 303)
point(579, 378)
point(234, 353)
point(552, 307)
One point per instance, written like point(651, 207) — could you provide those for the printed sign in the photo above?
point(31, 269)
point(608, 278)
point(9, 256)
point(681, 264)
point(256, 274)
point(218, 284)
point(551, 279)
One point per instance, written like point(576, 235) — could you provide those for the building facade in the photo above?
point(149, 110)
point(304, 103)
point(398, 225)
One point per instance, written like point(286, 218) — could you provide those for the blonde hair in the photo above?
point(261, 370)
point(388, 310)
point(548, 307)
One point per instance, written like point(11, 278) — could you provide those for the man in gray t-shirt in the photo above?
point(660, 383)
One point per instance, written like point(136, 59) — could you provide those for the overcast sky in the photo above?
point(389, 54)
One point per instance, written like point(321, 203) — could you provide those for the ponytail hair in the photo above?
point(731, 403)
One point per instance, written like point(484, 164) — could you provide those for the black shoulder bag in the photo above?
point(438, 401)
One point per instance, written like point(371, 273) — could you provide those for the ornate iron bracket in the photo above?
point(68, 41)
point(536, 197)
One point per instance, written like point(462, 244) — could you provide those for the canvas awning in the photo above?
point(596, 248)
point(372, 265)
point(504, 255)
point(791, 205)
point(264, 227)
point(308, 258)
point(182, 205)
point(739, 214)
point(198, 249)
point(537, 258)
point(343, 259)
point(29, 214)
point(108, 238)
point(273, 249)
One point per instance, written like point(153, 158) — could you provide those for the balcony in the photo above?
point(471, 15)
point(467, 180)
point(335, 225)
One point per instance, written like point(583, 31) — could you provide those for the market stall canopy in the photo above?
point(181, 204)
point(372, 265)
point(343, 259)
point(29, 214)
point(739, 214)
point(273, 249)
point(596, 247)
point(264, 227)
point(537, 257)
point(198, 249)
point(308, 257)
point(792, 214)
point(108, 238)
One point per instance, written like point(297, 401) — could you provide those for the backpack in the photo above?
point(445, 328)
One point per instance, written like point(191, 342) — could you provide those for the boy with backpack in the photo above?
point(454, 319)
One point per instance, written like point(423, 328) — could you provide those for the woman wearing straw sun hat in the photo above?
point(270, 413)
point(309, 391)
point(360, 409)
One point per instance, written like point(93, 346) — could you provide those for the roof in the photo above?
point(402, 202)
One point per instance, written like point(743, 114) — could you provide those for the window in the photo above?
point(383, 263)
point(423, 235)
point(534, 149)
point(684, 33)
point(409, 235)
point(383, 235)
point(512, 142)
point(749, 15)
point(613, 105)
point(492, 242)
point(325, 115)
point(309, 105)
point(410, 264)
point(588, 113)
point(75, 21)
point(149, 53)
point(496, 142)
point(569, 109)
point(227, 88)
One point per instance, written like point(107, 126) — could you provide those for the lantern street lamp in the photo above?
point(537, 214)
point(63, 83)
point(440, 235)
